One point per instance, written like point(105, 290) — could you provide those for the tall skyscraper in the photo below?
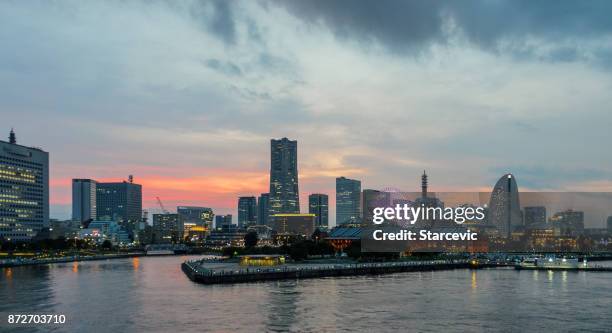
point(247, 211)
point(121, 202)
point(318, 205)
point(348, 201)
point(504, 207)
point(24, 190)
point(284, 193)
point(263, 209)
point(534, 215)
point(83, 200)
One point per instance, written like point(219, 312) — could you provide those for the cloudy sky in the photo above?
point(185, 95)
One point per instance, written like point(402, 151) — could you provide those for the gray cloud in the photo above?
point(193, 85)
point(225, 67)
point(218, 17)
point(499, 26)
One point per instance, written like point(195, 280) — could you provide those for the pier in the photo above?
point(200, 274)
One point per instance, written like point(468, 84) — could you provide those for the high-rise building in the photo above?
point(83, 200)
point(609, 225)
point(121, 202)
point(318, 204)
point(504, 206)
point(247, 211)
point(284, 193)
point(223, 221)
point(348, 201)
point(372, 199)
point(534, 215)
point(263, 209)
point(166, 228)
point(24, 190)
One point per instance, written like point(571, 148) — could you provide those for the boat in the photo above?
point(539, 262)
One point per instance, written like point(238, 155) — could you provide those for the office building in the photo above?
point(348, 201)
point(83, 200)
point(195, 221)
point(535, 215)
point(247, 211)
point(228, 235)
point(223, 221)
point(263, 209)
point(318, 204)
point(293, 224)
point(568, 223)
point(284, 193)
point(167, 228)
point(120, 201)
point(24, 190)
point(200, 216)
point(100, 231)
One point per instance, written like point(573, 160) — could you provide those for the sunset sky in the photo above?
point(186, 95)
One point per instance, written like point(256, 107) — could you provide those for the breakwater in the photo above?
point(200, 274)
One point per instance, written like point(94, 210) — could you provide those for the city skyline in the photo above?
point(189, 117)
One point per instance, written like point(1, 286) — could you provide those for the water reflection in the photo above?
point(135, 263)
point(153, 295)
point(282, 305)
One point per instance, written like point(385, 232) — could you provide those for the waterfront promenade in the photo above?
point(198, 273)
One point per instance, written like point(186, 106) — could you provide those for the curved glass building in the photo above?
point(504, 206)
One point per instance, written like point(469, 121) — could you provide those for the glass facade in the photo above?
point(284, 194)
point(348, 201)
point(263, 209)
point(318, 204)
point(247, 211)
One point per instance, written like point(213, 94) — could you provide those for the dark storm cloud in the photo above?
point(217, 16)
point(407, 25)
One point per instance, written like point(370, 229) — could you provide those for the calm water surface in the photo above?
point(153, 295)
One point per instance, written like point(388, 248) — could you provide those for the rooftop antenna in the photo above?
point(12, 137)
point(424, 185)
point(130, 178)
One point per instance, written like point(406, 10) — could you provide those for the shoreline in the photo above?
point(61, 260)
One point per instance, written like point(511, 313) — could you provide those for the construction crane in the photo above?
point(161, 205)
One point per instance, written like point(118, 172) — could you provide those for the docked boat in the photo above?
point(550, 263)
